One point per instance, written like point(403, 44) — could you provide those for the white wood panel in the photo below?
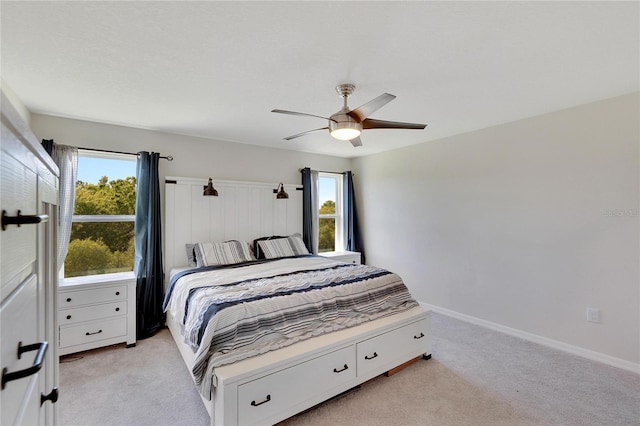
point(241, 211)
point(200, 214)
point(280, 218)
point(267, 211)
point(256, 213)
point(28, 270)
point(230, 211)
point(169, 224)
point(216, 222)
point(294, 211)
point(19, 326)
point(18, 186)
point(242, 215)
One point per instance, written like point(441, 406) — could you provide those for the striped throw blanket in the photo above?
point(229, 314)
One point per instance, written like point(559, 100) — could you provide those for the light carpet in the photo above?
point(476, 376)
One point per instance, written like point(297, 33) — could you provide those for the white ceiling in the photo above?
point(216, 69)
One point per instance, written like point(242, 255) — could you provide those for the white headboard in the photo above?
point(242, 211)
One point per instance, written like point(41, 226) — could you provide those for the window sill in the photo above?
point(95, 279)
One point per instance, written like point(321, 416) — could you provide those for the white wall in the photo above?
point(193, 157)
point(525, 224)
point(16, 102)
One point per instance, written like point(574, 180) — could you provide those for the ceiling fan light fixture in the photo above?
point(347, 124)
point(343, 127)
point(345, 134)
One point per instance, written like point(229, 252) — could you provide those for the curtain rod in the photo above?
point(166, 157)
point(324, 171)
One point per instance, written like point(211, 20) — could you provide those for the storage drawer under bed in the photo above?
point(272, 394)
point(383, 351)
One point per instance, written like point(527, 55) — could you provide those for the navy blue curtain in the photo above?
point(148, 246)
point(307, 209)
point(47, 144)
point(352, 235)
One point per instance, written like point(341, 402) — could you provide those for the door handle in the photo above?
point(41, 347)
point(20, 219)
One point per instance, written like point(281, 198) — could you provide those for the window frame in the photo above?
point(338, 215)
point(100, 218)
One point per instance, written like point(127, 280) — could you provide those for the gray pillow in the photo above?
point(227, 253)
point(283, 247)
point(191, 257)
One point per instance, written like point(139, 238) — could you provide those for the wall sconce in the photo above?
point(210, 190)
point(281, 194)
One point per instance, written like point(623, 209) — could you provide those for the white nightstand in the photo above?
point(343, 256)
point(97, 313)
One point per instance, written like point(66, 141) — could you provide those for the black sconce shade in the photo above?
point(281, 194)
point(210, 190)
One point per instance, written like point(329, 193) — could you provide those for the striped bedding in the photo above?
point(232, 313)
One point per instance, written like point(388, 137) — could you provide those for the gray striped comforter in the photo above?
point(236, 313)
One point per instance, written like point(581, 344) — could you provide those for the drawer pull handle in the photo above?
point(52, 396)
point(68, 299)
point(375, 355)
point(117, 309)
point(68, 316)
point(419, 337)
point(255, 404)
point(117, 293)
point(19, 219)
point(335, 370)
point(41, 347)
point(95, 332)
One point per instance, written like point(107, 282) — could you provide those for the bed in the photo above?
point(266, 339)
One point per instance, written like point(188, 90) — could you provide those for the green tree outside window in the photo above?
point(327, 227)
point(102, 247)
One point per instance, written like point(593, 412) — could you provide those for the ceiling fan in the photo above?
point(347, 124)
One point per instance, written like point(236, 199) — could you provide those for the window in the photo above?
point(103, 219)
point(330, 212)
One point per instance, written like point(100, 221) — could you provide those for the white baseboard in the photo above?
point(555, 344)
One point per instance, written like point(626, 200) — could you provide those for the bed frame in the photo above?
point(271, 387)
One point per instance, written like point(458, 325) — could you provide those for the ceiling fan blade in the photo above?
point(356, 142)
point(304, 133)
point(370, 107)
point(382, 124)
point(282, 111)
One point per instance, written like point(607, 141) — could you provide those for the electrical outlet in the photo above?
point(593, 315)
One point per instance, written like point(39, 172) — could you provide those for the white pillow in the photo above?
point(227, 253)
point(283, 247)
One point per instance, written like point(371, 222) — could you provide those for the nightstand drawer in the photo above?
point(91, 313)
point(92, 332)
point(68, 299)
